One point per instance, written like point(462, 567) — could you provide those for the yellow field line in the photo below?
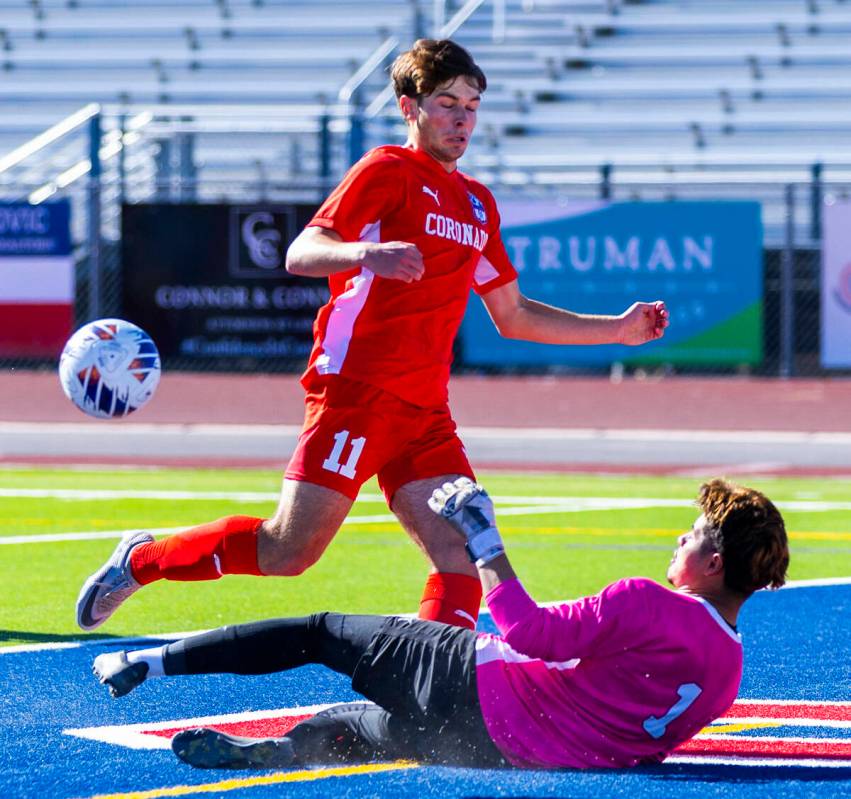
point(739, 727)
point(277, 778)
point(640, 532)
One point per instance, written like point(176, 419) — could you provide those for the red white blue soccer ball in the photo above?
point(109, 368)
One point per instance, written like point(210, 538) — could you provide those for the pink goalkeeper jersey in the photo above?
point(607, 681)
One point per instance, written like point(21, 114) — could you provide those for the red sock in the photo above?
point(451, 598)
point(206, 552)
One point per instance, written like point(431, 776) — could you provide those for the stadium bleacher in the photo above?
point(664, 97)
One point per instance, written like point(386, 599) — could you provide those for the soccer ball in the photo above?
point(109, 368)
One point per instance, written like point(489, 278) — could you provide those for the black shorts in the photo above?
point(423, 674)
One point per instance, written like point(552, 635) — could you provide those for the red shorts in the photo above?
point(353, 431)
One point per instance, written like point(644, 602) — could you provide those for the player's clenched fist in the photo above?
point(397, 260)
point(643, 322)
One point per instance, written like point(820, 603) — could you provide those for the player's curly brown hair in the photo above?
point(430, 62)
point(749, 533)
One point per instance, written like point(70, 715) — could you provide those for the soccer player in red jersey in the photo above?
point(402, 240)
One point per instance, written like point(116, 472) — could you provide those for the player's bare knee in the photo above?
point(282, 555)
point(285, 564)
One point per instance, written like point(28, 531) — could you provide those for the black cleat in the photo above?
point(207, 748)
point(119, 675)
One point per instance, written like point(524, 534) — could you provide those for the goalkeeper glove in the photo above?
point(468, 508)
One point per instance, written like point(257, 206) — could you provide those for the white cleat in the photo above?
point(110, 585)
point(119, 675)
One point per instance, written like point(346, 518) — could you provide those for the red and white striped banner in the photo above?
point(36, 279)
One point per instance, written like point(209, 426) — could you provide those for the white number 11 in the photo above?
point(332, 462)
point(687, 692)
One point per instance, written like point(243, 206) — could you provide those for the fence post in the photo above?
point(605, 181)
point(324, 149)
point(787, 290)
point(163, 173)
point(188, 171)
point(356, 131)
point(815, 202)
point(122, 159)
point(94, 213)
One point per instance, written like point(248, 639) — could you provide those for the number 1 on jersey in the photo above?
point(687, 692)
point(332, 462)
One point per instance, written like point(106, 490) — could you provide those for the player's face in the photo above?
point(692, 557)
point(445, 120)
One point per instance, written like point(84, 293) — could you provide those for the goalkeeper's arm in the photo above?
point(468, 508)
point(526, 627)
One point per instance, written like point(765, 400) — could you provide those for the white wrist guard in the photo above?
point(468, 508)
point(485, 546)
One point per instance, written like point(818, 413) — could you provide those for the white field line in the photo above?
point(264, 431)
point(49, 538)
point(543, 505)
point(85, 494)
point(577, 503)
point(484, 611)
point(754, 762)
point(133, 735)
point(138, 735)
point(796, 702)
point(818, 583)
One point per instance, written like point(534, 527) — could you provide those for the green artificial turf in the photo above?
point(371, 566)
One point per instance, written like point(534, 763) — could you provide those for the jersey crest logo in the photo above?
point(431, 193)
point(478, 208)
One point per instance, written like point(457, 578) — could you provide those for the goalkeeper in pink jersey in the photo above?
point(606, 681)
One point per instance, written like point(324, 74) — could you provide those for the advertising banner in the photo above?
point(836, 286)
point(704, 259)
point(36, 279)
point(208, 282)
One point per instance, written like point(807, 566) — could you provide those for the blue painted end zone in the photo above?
point(796, 645)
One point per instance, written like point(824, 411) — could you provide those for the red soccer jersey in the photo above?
point(395, 335)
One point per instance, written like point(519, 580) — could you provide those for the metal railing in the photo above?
point(443, 30)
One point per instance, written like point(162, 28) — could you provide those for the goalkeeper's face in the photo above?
point(441, 123)
point(695, 562)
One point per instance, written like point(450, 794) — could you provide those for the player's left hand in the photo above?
point(643, 322)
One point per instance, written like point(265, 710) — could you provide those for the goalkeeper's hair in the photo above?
point(431, 62)
point(747, 530)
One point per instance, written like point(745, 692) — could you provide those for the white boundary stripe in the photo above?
point(134, 639)
point(136, 736)
point(654, 435)
point(48, 538)
point(136, 430)
point(799, 702)
point(550, 505)
point(720, 736)
point(27, 648)
point(754, 762)
point(133, 735)
point(818, 583)
point(82, 494)
point(557, 503)
point(771, 721)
